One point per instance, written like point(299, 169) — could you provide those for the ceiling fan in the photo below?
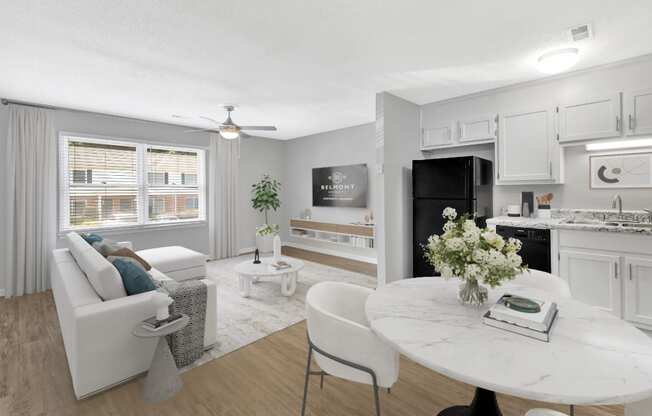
point(228, 129)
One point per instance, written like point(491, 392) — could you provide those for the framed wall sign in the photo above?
point(624, 170)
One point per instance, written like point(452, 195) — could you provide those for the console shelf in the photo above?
point(351, 235)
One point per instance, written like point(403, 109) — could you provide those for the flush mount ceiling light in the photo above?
point(621, 144)
point(558, 60)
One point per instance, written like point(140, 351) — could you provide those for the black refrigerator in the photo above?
point(463, 183)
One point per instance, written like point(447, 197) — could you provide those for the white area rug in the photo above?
point(241, 321)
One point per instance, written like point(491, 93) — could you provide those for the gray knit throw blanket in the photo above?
point(187, 345)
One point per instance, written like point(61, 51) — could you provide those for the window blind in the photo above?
point(173, 189)
point(102, 184)
point(107, 183)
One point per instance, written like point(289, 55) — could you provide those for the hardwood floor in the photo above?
point(263, 378)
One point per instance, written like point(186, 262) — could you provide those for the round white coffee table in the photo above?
point(249, 273)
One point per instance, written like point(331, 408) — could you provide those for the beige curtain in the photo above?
point(29, 199)
point(223, 196)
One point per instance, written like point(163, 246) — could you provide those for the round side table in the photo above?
point(162, 381)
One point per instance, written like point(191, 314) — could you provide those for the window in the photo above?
point(108, 183)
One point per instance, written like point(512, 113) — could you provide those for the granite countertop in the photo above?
point(591, 220)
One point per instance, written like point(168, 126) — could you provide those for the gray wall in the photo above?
point(339, 147)
point(400, 130)
point(346, 146)
point(258, 156)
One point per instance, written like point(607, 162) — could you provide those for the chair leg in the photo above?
point(572, 410)
point(376, 399)
point(321, 381)
point(305, 387)
point(389, 390)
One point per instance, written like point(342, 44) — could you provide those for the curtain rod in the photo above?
point(7, 101)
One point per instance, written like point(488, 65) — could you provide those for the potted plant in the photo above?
point(473, 255)
point(265, 198)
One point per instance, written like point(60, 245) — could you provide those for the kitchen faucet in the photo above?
point(617, 202)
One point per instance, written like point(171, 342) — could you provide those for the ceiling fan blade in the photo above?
point(211, 119)
point(201, 131)
point(244, 135)
point(268, 128)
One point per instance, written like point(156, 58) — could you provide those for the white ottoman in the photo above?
point(178, 263)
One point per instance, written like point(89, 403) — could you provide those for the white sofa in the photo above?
point(97, 334)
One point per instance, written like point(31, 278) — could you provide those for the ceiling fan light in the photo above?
point(230, 135)
point(558, 60)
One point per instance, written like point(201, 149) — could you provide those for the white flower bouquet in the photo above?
point(473, 255)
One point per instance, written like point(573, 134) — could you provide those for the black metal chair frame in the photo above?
point(309, 373)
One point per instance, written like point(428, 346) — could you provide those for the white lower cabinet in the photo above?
point(593, 278)
point(612, 271)
point(638, 290)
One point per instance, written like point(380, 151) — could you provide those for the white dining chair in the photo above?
point(544, 281)
point(344, 346)
point(547, 412)
point(559, 287)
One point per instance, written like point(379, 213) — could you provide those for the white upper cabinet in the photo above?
point(526, 149)
point(638, 290)
point(479, 128)
point(439, 136)
point(590, 118)
point(638, 112)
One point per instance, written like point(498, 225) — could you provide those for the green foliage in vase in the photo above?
point(471, 253)
point(265, 197)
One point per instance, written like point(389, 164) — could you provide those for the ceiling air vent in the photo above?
point(581, 32)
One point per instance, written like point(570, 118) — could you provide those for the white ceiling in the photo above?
point(305, 65)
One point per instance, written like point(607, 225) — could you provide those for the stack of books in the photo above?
point(529, 317)
point(280, 265)
point(153, 324)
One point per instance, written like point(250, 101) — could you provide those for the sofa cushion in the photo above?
point(134, 278)
point(175, 261)
point(101, 274)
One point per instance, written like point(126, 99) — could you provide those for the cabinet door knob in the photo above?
point(616, 270)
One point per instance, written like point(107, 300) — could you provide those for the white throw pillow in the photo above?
point(101, 274)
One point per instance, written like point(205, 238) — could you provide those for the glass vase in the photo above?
point(472, 293)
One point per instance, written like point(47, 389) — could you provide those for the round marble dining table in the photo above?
point(592, 358)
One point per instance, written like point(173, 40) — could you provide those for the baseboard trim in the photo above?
point(331, 260)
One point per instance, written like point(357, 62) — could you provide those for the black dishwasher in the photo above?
point(536, 245)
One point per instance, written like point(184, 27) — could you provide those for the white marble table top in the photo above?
point(592, 358)
point(264, 269)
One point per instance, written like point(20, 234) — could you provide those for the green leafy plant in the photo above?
point(473, 254)
point(265, 198)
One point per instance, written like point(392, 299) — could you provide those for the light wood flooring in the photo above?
point(263, 378)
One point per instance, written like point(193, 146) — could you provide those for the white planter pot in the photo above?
point(265, 243)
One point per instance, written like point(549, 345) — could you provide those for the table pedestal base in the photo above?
point(162, 381)
point(484, 404)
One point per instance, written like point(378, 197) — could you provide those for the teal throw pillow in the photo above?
point(91, 238)
point(134, 278)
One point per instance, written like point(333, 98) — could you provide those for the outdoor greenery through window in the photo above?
point(108, 183)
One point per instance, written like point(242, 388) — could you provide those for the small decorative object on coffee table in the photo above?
point(162, 381)
point(256, 257)
point(473, 255)
point(249, 273)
